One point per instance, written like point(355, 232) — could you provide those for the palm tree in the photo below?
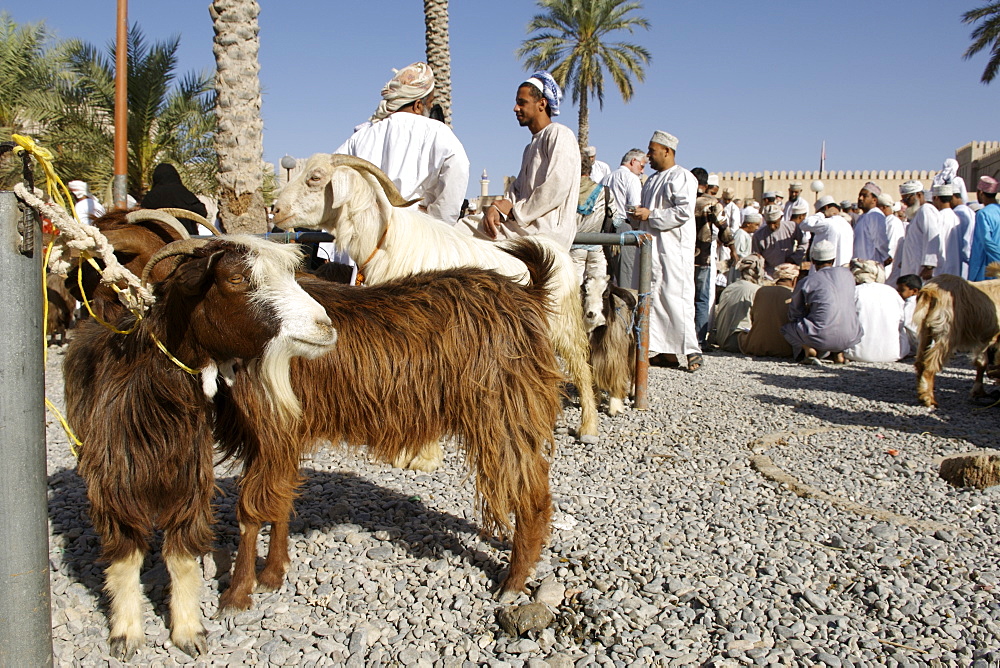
point(439, 52)
point(29, 69)
point(239, 141)
point(571, 44)
point(167, 121)
point(985, 36)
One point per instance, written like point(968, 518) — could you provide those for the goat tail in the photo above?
point(927, 300)
point(542, 264)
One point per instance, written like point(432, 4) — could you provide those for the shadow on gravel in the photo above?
point(328, 500)
point(956, 417)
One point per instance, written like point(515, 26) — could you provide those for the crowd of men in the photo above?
point(774, 278)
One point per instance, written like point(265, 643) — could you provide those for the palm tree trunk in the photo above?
point(439, 52)
point(239, 139)
point(584, 132)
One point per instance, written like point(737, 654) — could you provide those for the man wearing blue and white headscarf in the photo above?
point(543, 198)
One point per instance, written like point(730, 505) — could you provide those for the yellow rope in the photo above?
point(66, 427)
point(44, 157)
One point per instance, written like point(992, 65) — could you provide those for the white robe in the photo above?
point(790, 203)
point(871, 241)
point(88, 210)
point(967, 230)
point(599, 171)
point(670, 196)
point(422, 156)
point(834, 229)
point(949, 244)
point(895, 230)
point(735, 217)
point(880, 310)
point(919, 245)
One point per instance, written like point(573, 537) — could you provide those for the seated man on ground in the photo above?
point(768, 314)
point(822, 318)
point(908, 286)
point(880, 311)
point(732, 315)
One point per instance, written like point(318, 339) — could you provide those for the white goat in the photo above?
point(357, 203)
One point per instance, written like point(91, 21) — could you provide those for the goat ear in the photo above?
point(624, 295)
point(191, 276)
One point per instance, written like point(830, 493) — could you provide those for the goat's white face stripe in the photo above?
point(304, 328)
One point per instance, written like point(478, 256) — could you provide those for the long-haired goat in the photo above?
point(146, 424)
point(135, 235)
point(353, 200)
point(462, 353)
point(951, 315)
point(609, 311)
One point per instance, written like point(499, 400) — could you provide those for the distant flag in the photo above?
point(822, 157)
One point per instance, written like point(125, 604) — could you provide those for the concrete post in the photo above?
point(25, 615)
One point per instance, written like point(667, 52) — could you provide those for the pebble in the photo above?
point(669, 549)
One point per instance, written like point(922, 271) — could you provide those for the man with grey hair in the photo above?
point(667, 212)
point(422, 156)
point(626, 194)
point(919, 254)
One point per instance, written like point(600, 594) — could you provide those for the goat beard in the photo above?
point(272, 372)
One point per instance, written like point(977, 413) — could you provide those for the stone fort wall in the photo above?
point(840, 185)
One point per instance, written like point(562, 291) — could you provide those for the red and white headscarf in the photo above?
point(412, 83)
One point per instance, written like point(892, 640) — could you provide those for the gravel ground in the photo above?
point(672, 550)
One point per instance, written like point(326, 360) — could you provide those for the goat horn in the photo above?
point(140, 215)
point(191, 215)
point(182, 247)
point(361, 165)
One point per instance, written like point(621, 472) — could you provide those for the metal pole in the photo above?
point(25, 609)
point(120, 184)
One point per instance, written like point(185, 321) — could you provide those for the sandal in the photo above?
point(664, 360)
point(695, 362)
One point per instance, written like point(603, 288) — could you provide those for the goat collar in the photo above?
point(360, 279)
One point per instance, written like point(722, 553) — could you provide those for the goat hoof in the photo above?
point(589, 439)
point(193, 647)
point(230, 606)
point(124, 648)
point(507, 596)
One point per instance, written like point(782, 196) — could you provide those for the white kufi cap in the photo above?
point(664, 139)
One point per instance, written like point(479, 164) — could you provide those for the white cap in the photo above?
point(78, 188)
point(713, 179)
point(773, 212)
point(665, 139)
point(943, 190)
point(752, 216)
point(825, 201)
point(800, 206)
point(884, 200)
point(590, 151)
point(823, 251)
point(911, 187)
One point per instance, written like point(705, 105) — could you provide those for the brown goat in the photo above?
point(951, 315)
point(462, 353)
point(61, 308)
point(135, 235)
point(612, 343)
point(145, 423)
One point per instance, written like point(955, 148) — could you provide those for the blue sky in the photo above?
point(746, 86)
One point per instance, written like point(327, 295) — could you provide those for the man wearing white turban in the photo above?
point(795, 198)
point(949, 175)
point(88, 209)
point(949, 243)
point(667, 212)
point(544, 196)
point(422, 156)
